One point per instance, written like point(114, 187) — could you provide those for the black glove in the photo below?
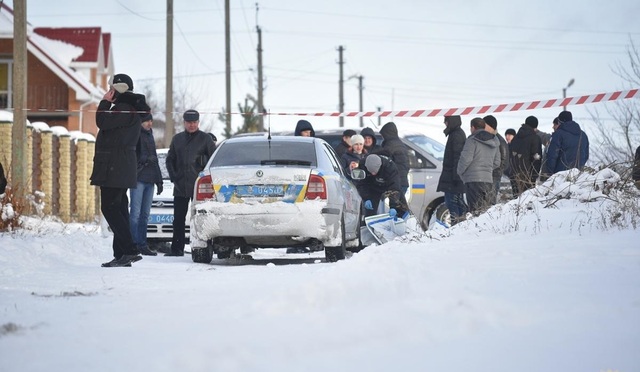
point(159, 188)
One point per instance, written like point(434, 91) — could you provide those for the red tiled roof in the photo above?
point(87, 38)
point(106, 44)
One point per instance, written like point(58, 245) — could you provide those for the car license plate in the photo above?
point(260, 190)
point(161, 218)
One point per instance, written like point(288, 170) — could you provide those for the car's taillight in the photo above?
point(316, 188)
point(204, 188)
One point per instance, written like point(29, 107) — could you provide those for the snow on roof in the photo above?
point(87, 38)
point(6, 116)
point(64, 51)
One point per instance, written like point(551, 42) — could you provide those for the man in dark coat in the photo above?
point(305, 129)
point(345, 145)
point(569, 146)
point(525, 156)
point(149, 174)
point(450, 182)
point(114, 162)
point(492, 127)
point(382, 180)
point(370, 141)
point(188, 154)
point(396, 150)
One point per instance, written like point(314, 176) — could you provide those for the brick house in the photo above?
point(67, 72)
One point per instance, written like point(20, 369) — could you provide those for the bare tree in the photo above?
point(616, 143)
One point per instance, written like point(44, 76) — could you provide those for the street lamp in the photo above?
point(359, 77)
point(564, 92)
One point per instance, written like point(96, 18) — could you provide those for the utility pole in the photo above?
point(260, 87)
point(360, 88)
point(19, 171)
point(341, 86)
point(227, 41)
point(169, 129)
point(379, 118)
point(564, 92)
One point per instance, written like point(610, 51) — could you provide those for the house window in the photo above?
point(5, 84)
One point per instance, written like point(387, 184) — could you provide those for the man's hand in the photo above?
point(159, 188)
point(110, 95)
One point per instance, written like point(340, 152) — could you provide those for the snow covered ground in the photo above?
point(549, 282)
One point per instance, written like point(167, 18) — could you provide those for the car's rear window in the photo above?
point(265, 152)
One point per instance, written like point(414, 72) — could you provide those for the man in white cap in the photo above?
point(383, 179)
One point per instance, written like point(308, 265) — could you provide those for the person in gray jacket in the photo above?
point(188, 154)
point(480, 156)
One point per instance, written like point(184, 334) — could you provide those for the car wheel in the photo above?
point(202, 255)
point(333, 254)
point(440, 215)
point(358, 236)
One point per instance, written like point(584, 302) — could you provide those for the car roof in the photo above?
point(256, 138)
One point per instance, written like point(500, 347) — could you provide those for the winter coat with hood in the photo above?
point(480, 156)
point(394, 148)
point(449, 179)
point(369, 132)
point(304, 125)
point(148, 167)
point(569, 148)
point(115, 162)
point(525, 156)
point(188, 155)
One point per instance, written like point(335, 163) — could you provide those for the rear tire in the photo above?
point(202, 255)
point(440, 213)
point(333, 254)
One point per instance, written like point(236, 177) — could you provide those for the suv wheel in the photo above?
point(202, 255)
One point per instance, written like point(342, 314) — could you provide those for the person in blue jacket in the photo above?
point(569, 146)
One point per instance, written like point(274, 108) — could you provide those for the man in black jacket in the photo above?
point(525, 156)
point(450, 182)
point(345, 145)
point(396, 150)
point(114, 162)
point(188, 154)
point(382, 179)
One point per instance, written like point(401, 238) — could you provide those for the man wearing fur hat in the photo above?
point(188, 154)
point(114, 162)
point(569, 146)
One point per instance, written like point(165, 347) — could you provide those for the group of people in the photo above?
point(126, 159)
point(386, 166)
point(474, 165)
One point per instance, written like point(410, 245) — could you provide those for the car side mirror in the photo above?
point(358, 174)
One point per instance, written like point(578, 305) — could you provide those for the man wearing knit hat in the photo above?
point(492, 127)
point(345, 145)
point(383, 179)
point(569, 146)
point(525, 157)
point(114, 162)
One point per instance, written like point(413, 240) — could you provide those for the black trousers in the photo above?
point(479, 196)
point(115, 209)
point(180, 209)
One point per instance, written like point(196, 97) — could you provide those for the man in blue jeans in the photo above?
point(142, 195)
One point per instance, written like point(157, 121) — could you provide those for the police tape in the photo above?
point(479, 110)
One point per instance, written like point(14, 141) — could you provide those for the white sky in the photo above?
point(551, 288)
point(412, 54)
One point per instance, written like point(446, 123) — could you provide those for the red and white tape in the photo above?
point(481, 110)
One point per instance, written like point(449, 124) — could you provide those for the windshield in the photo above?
point(265, 153)
point(433, 147)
